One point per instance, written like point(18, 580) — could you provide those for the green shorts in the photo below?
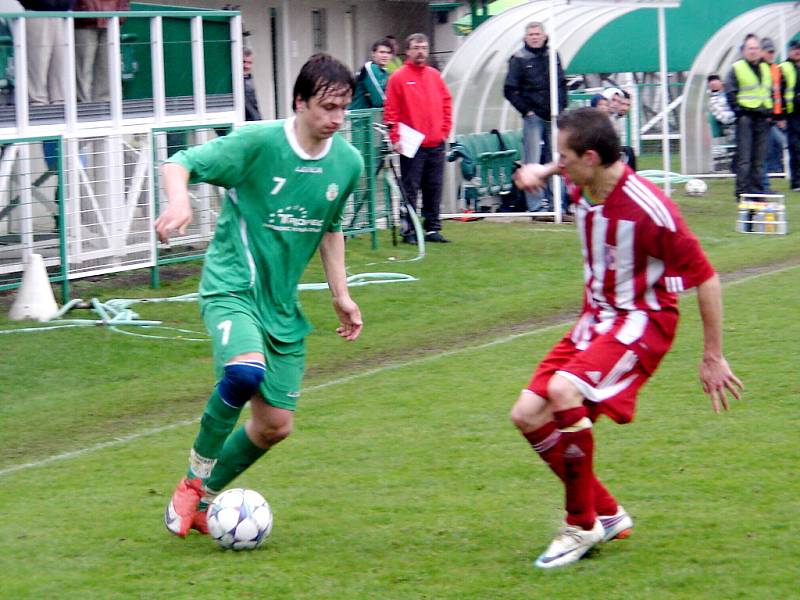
point(235, 327)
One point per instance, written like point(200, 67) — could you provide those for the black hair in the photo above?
point(321, 75)
point(750, 36)
point(712, 77)
point(382, 42)
point(590, 129)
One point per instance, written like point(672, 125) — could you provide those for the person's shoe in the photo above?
point(570, 545)
point(179, 514)
point(436, 238)
point(410, 239)
point(617, 526)
point(795, 188)
point(200, 520)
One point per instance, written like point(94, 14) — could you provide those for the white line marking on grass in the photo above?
point(119, 441)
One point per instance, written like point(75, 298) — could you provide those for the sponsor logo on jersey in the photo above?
point(293, 394)
point(293, 218)
point(332, 192)
point(317, 170)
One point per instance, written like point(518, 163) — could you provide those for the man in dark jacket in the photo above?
point(251, 111)
point(527, 87)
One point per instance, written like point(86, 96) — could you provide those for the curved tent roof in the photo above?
point(591, 39)
point(477, 70)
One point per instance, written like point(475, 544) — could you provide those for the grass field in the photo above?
point(404, 477)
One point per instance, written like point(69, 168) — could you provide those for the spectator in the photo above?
point(527, 88)
point(747, 88)
point(718, 103)
point(395, 62)
point(776, 140)
point(418, 97)
point(613, 95)
point(790, 69)
point(251, 112)
point(47, 60)
point(623, 100)
point(373, 77)
point(599, 102)
point(91, 49)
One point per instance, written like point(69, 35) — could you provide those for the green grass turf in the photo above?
point(411, 483)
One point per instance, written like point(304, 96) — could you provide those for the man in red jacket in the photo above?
point(418, 97)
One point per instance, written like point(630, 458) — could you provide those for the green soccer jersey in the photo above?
point(280, 202)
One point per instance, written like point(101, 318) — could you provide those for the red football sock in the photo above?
point(577, 448)
point(604, 503)
point(545, 442)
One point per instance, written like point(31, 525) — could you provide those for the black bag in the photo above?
point(47, 5)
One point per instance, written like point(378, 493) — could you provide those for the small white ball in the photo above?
point(696, 187)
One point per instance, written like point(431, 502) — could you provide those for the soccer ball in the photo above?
point(696, 187)
point(239, 519)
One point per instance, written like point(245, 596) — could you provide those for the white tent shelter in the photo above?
point(779, 21)
point(476, 72)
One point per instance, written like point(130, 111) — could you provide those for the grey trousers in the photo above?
point(47, 60)
point(91, 64)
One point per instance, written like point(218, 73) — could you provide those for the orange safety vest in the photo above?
point(777, 98)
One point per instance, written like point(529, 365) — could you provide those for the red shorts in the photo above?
point(608, 373)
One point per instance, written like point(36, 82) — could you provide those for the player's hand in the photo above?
point(718, 381)
point(397, 147)
point(177, 217)
point(531, 177)
point(350, 323)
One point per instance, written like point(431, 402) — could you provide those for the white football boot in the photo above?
point(617, 526)
point(569, 545)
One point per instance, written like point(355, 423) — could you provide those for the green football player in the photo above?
point(287, 184)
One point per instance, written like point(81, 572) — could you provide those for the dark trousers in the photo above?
point(425, 173)
point(751, 151)
point(793, 142)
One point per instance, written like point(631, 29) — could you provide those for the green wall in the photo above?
point(177, 54)
point(688, 29)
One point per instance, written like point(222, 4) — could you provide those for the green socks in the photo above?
point(238, 453)
point(218, 421)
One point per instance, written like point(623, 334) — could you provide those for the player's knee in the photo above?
point(269, 434)
point(562, 392)
point(240, 382)
point(528, 411)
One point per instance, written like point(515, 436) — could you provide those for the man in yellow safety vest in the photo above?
point(748, 89)
point(791, 102)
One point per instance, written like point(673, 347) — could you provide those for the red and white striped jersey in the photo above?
point(638, 253)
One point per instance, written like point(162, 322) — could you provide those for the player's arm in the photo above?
point(532, 176)
point(715, 374)
point(178, 214)
point(331, 250)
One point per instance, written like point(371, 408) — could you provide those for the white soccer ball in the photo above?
point(696, 187)
point(239, 519)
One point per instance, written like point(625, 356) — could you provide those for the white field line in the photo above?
point(119, 441)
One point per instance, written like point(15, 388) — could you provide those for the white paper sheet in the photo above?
point(410, 140)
